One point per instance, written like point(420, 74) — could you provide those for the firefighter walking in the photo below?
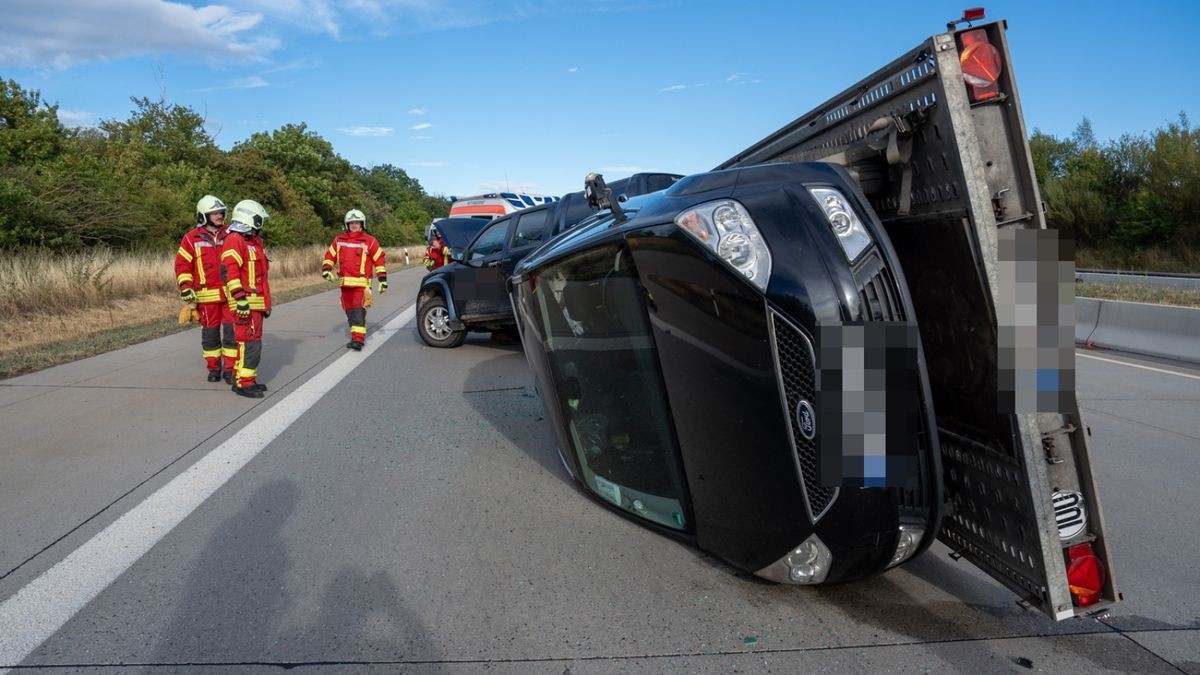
point(246, 264)
point(355, 256)
point(198, 272)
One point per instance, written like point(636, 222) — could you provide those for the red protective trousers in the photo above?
point(356, 314)
point(229, 350)
point(249, 334)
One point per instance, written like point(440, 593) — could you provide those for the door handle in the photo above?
point(494, 263)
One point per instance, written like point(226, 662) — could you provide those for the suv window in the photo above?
point(531, 229)
point(490, 240)
point(660, 181)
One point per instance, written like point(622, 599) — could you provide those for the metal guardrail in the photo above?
point(1159, 279)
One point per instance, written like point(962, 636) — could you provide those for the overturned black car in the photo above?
point(681, 299)
point(847, 341)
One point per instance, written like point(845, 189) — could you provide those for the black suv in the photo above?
point(469, 294)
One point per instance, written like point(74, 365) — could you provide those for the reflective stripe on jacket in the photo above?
point(246, 264)
point(357, 257)
point(198, 265)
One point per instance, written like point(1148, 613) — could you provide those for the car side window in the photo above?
point(660, 181)
point(490, 241)
point(531, 229)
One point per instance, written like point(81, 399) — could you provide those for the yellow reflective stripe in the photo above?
point(184, 277)
point(358, 329)
point(362, 263)
point(233, 254)
point(187, 256)
point(356, 282)
point(378, 252)
point(211, 352)
point(380, 270)
point(229, 351)
point(332, 252)
point(200, 269)
point(209, 295)
point(233, 285)
point(257, 302)
point(251, 276)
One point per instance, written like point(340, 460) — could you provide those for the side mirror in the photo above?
point(456, 254)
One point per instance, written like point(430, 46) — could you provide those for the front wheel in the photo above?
point(433, 323)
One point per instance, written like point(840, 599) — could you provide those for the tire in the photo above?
point(431, 324)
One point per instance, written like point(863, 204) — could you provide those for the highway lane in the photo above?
point(416, 518)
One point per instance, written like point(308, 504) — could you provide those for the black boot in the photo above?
point(248, 392)
point(258, 386)
point(228, 377)
point(355, 345)
point(214, 376)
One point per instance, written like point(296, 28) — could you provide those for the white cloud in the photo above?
point(74, 119)
point(422, 138)
point(252, 82)
point(417, 111)
point(428, 165)
point(734, 77)
point(674, 87)
point(573, 69)
point(62, 33)
point(297, 64)
point(367, 131)
point(422, 126)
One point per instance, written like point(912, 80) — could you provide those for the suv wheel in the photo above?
point(433, 323)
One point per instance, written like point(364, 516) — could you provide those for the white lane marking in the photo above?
point(1135, 365)
point(44, 605)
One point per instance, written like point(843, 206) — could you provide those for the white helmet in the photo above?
point(353, 215)
point(248, 215)
point(207, 204)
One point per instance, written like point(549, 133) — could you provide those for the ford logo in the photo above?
point(806, 420)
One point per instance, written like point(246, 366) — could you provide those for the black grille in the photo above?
point(877, 290)
point(798, 380)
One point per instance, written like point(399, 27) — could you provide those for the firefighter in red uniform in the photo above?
point(245, 265)
point(355, 256)
point(438, 254)
point(198, 271)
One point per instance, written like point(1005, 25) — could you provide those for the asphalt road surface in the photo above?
point(403, 510)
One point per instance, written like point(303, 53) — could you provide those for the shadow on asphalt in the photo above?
point(234, 606)
point(278, 352)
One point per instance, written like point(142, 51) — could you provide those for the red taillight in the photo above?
point(973, 14)
point(1085, 575)
point(981, 65)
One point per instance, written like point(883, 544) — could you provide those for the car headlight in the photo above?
point(725, 228)
point(907, 543)
point(850, 231)
point(808, 564)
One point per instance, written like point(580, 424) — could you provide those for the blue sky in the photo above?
point(470, 96)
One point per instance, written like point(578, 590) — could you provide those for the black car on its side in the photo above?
point(674, 345)
point(469, 294)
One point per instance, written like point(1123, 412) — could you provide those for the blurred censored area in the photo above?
point(1035, 322)
point(868, 405)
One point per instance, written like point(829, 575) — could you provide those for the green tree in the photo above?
point(29, 128)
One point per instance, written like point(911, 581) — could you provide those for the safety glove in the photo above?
point(242, 308)
point(328, 274)
point(187, 295)
point(383, 284)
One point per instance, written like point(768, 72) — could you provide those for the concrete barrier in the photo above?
point(1140, 328)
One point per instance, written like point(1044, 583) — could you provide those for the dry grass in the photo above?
point(1157, 295)
point(1155, 259)
point(57, 308)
